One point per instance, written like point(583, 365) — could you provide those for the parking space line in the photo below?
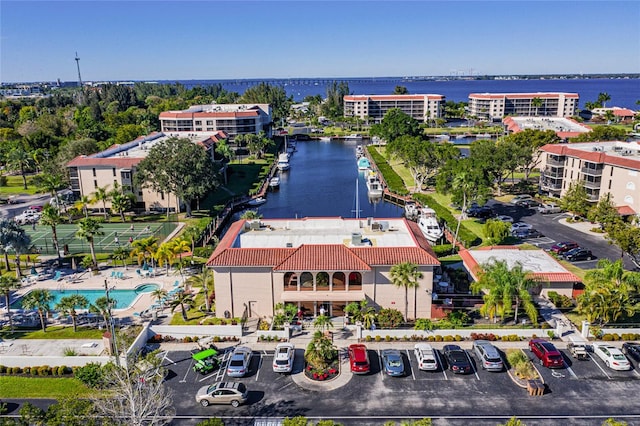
point(601, 369)
point(570, 370)
point(184, 379)
point(636, 372)
point(409, 358)
point(285, 386)
point(471, 364)
point(437, 354)
point(380, 363)
point(259, 366)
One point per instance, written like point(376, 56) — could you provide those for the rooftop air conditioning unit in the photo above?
point(356, 239)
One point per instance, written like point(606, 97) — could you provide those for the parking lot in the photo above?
point(585, 386)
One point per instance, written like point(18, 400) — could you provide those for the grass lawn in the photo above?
point(44, 387)
point(55, 332)
point(15, 186)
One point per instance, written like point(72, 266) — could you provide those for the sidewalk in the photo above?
point(584, 227)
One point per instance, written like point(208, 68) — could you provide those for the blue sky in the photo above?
point(154, 40)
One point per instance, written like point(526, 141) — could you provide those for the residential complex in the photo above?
point(495, 106)
point(374, 107)
point(117, 165)
point(233, 119)
point(564, 127)
point(320, 264)
point(603, 167)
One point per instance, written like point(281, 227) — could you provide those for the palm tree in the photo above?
point(38, 299)
point(102, 195)
point(51, 183)
point(68, 305)
point(323, 322)
point(614, 273)
point(159, 294)
point(144, 249)
point(251, 215)
point(320, 351)
point(9, 283)
point(406, 275)
point(50, 216)
point(178, 247)
point(182, 299)
point(536, 103)
point(102, 306)
point(83, 205)
point(609, 116)
point(227, 153)
point(20, 159)
point(10, 234)
point(20, 243)
point(204, 280)
point(89, 228)
point(603, 98)
point(164, 255)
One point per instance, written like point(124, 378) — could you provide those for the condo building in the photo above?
point(602, 167)
point(495, 106)
point(374, 107)
point(117, 166)
point(564, 128)
point(321, 265)
point(233, 119)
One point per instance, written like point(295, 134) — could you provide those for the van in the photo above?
point(521, 197)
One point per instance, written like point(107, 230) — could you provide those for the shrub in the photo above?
point(448, 338)
point(458, 338)
point(16, 370)
point(389, 318)
point(3, 369)
point(90, 374)
point(70, 352)
point(378, 339)
point(545, 326)
point(27, 370)
point(367, 339)
point(442, 249)
point(438, 338)
point(607, 337)
point(45, 370)
point(62, 370)
point(187, 339)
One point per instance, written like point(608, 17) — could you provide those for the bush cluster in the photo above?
point(560, 300)
point(392, 179)
point(613, 337)
point(416, 338)
point(271, 339)
point(521, 364)
point(42, 371)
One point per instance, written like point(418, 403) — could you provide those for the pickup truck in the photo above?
point(549, 208)
point(578, 350)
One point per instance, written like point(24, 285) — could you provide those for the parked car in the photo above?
point(578, 350)
point(547, 353)
point(564, 247)
point(36, 208)
point(526, 233)
point(392, 362)
point(426, 356)
point(520, 197)
point(481, 212)
point(632, 350)
point(504, 218)
point(488, 356)
point(26, 219)
point(239, 362)
point(527, 203)
point(283, 358)
point(520, 226)
point(233, 393)
point(576, 254)
point(549, 208)
point(359, 359)
point(457, 359)
point(612, 356)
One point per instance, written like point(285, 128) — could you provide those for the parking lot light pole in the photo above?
point(111, 324)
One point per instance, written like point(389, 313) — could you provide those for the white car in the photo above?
point(426, 357)
point(283, 358)
point(239, 362)
point(549, 208)
point(521, 197)
point(24, 218)
point(504, 218)
point(520, 226)
point(612, 356)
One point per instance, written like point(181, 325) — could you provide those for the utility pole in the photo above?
point(79, 76)
point(111, 324)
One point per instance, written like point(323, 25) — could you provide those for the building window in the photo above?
point(610, 184)
point(114, 171)
point(162, 196)
point(95, 183)
point(94, 172)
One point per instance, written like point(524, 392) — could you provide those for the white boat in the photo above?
point(428, 224)
point(411, 209)
point(274, 182)
point(374, 186)
point(483, 136)
point(325, 138)
point(359, 151)
point(363, 163)
point(283, 161)
point(354, 137)
point(256, 201)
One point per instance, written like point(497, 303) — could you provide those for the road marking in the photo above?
point(285, 386)
point(569, 369)
point(471, 364)
point(605, 373)
point(184, 379)
point(380, 363)
point(636, 372)
point(409, 358)
point(259, 366)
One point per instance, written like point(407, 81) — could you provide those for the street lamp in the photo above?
point(111, 323)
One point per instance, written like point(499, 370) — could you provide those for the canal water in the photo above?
point(321, 182)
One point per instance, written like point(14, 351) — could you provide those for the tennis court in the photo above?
point(115, 235)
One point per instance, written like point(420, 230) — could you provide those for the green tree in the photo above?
point(265, 93)
point(11, 236)
point(102, 195)
point(496, 231)
point(333, 106)
point(70, 411)
point(394, 124)
point(323, 322)
point(82, 204)
point(88, 229)
point(576, 199)
point(627, 237)
point(179, 167)
point(144, 249)
point(102, 306)
point(19, 159)
point(513, 421)
point(406, 275)
point(228, 155)
point(38, 299)
point(8, 284)
point(601, 133)
point(51, 217)
point(295, 421)
point(603, 98)
point(204, 280)
point(184, 301)
point(320, 351)
point(121, 201)
point(122, 253)
point(51, 183)
point(604, 212)
point(68, 305)
point(529, 142)
point(536, 103)
point(400, 90)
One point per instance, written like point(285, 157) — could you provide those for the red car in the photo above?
point(37, 208)
point(359, 359)
point(548, 355)
point(563, 247)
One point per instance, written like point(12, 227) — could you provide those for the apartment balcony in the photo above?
point(592, 184)
point(591, 171)
point(546, 186)
point(593, 196)
point(554, 162)
point(550, 173)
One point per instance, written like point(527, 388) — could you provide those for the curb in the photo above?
point(340, 380)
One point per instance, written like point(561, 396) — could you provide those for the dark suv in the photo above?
point(564, 247)
point(481, 212)
point(548, 355)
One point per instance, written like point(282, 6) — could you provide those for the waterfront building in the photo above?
point(543, 267)
point(233, 119)
point(320, 263)
point(603, 167)
point(620, 114)
point(374, 107)
point(564, 127)
point(117, 165)
point(495, 106)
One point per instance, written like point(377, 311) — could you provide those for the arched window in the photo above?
point(355, 281)
point(339, 281)
point(322, 281)
point(631, 186)
point(306, 281)
point(290, 281)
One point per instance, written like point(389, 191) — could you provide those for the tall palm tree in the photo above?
point(83, 205)
point(20, 243)
point(227, 153)
point(51, 183)
point(536, 103)
point(164, 255)
point(178, 247)
point(68, 305)
point(10, 234)
point(38, 299)
point(614, 273)
point(323, 322)
point(88, 229)
point(50, 216)
point(9, 283)
point(182, 300)
point(102, 195)
point(204, 280)
point(102, 306)
point(159, 294)
point(603, 98)
point(20, 159)
point(144, 249)
point(406, 275)
point(121, 253)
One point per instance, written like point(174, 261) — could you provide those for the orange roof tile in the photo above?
point(118, 162)
point(322, 257)
point(394, 255)
point(522, 95)
point(592, 156)
point(625, 211)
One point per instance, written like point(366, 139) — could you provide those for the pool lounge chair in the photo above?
point(177, 283)
point(57, 276)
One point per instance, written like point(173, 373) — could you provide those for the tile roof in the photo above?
point(322, 257)
point(416, 97)
point(118, 162)
point(625, 210)
point(552, 95)
point(592, 156)
point(393, 255)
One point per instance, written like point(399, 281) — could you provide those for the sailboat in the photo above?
point(357, 202)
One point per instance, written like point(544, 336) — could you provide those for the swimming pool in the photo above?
point(123, 298)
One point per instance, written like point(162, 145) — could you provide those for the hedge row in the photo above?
point(612, 337)
point(466, 237)
point(43, 370)
point(392, 179)
point(416, 338)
